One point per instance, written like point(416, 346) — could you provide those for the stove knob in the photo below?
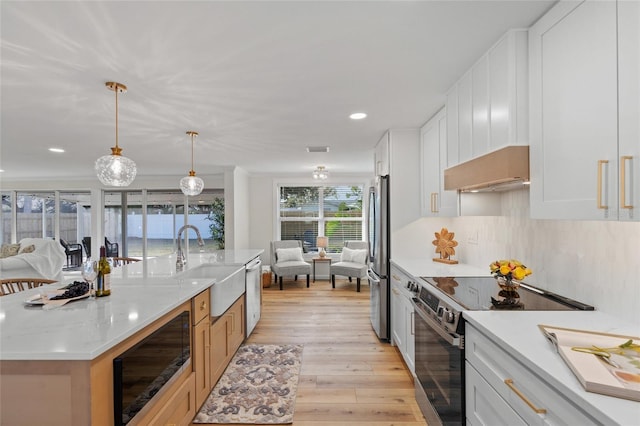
point(449, 316)
point(440, 311)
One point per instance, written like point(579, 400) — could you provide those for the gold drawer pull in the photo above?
point(623, 178)
point(509, 382)
point(203, 305)
point(599, 195)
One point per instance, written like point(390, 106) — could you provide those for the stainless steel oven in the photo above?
point(439, 361)
point(439, 334)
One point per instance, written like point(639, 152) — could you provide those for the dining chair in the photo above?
point(15, 285)
point(286, 259)
point(73, 252)
point(354, 262)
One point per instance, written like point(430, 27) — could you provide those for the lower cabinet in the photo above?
point(402, 325)
point(180, 409)
point(201, 345)
point(502, 391)
point(227, 334)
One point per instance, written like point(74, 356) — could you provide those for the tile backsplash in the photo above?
point(595, 262)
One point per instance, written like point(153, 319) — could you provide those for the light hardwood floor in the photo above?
point(348, 376)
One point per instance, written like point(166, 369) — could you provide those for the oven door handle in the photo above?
point(453, 340)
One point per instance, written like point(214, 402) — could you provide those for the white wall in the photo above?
point(595, 262)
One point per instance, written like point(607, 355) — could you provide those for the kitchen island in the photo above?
point(62, 357)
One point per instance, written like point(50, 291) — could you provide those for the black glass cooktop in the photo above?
point(483, 293)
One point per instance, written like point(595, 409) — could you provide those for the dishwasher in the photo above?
point(253, 293)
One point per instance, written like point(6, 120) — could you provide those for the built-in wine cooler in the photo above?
point(141, 372)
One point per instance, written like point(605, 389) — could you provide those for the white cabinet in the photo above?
point(487, 108)
point(435, 201)
point(502, 391)
point(381, 157)
point(402, 317)
point(577, 150)
point(480, 105)
point(629, 109)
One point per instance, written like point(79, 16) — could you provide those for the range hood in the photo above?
point(501, 170)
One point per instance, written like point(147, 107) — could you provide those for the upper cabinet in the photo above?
point(382, 157)
point(435, 201)
point(585, 142)
point(487, 108)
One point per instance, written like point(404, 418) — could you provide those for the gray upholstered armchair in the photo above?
point(354, 262)
point(286, 259)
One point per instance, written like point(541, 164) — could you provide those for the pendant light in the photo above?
point(191, 185)
point(320, 173)
point(115, 169)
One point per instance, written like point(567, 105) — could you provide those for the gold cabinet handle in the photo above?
point(509, 382)
point(434, 202)
point(599, 195)
point(203, 305)
point(623, 178)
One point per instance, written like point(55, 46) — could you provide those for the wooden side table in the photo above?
point(320, 259)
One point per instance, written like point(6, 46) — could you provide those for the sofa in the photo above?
point(33, 258)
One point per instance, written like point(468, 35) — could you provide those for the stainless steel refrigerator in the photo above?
point(379, 247)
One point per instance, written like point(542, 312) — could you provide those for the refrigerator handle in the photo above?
point(372, 276)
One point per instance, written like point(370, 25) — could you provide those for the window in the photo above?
point(306, 212)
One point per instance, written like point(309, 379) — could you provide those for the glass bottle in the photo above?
point(104, 274)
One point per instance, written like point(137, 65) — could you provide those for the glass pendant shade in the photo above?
point(114, 169)
point(191, 185)
point(320, 173)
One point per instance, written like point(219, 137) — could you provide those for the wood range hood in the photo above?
point(501, 170)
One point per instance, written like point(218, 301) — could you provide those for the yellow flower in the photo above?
point(519, 273)
point(504, 269)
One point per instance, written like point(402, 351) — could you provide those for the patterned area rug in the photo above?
point(258, 387)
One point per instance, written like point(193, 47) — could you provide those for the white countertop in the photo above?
point(426, 267)
point(141, 293)
point(518, 334)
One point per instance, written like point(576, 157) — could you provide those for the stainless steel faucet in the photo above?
point(180, 260)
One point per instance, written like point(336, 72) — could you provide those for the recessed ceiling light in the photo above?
point(357, 116)
point(56, 149)
point(1, 171)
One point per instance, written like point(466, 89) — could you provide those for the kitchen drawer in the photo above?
point(547, 405)
point(200, 306)
point(484, 406)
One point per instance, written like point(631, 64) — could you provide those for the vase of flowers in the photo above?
point(508, 273)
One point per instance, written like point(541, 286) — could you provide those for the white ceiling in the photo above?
point(260, 81)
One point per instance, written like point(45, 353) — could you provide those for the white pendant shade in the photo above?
point(115, 170)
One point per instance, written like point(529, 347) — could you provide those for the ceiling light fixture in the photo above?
point(56, 150)
point(357, 116)
point(191, 185)
point(115, 169)
point(320, 173)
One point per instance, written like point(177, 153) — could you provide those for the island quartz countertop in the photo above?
point(141, 293)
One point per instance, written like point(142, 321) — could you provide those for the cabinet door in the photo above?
point(435, 200)
point(452, 127)
point(381, 159)
point(202, 360)
point(480, 103)
point(180, 409)
point(238, 324)
point(398, 330)
point(574, 134)
point(430, 166)
point(629, 104)
point(220, 345)
point(464, 118)
point(410, 340)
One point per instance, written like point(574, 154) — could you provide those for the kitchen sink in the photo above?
point(228, 283)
